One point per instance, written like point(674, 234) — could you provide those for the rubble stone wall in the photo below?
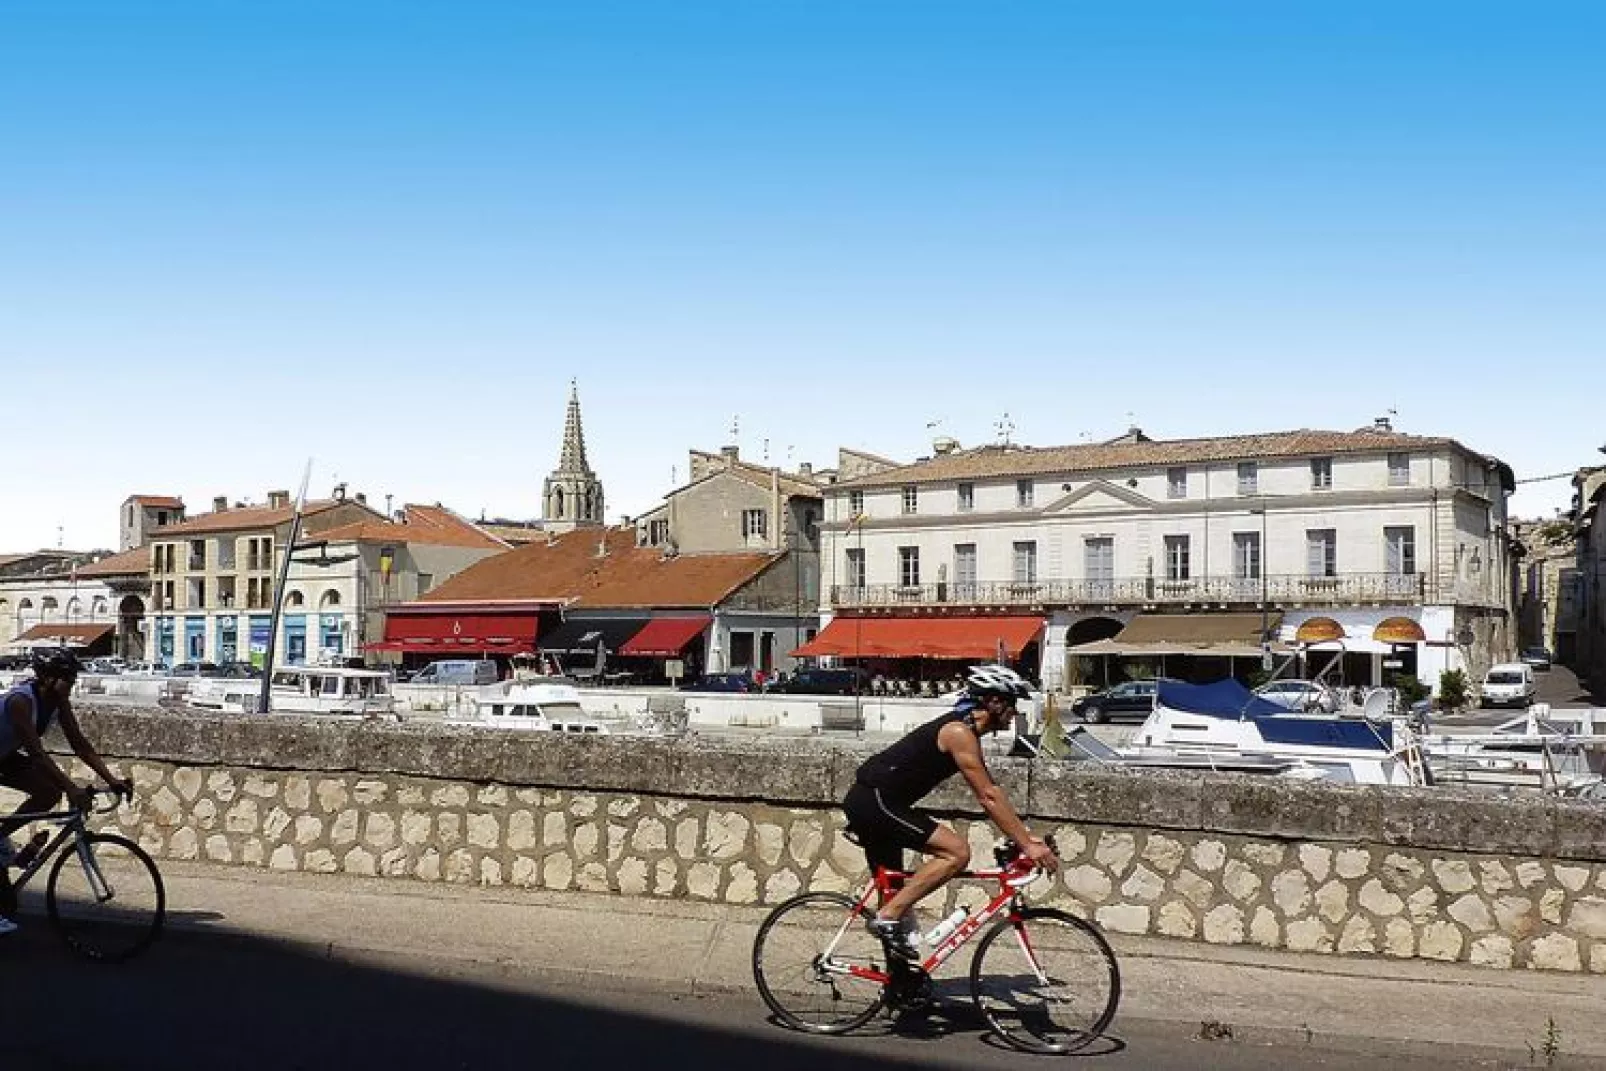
point(1430, 873)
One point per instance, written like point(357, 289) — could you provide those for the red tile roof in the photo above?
point(159, 501)
point(432, 525)
point(569, 569)
point(998, 461)
point(75, 635)
point(128, 563)
point(239, 517)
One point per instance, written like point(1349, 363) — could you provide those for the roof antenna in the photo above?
point(1005, 428)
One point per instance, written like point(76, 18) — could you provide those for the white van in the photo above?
point(472, 671)
point(1509, 684)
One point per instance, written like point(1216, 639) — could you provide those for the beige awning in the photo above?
point(1217, 635)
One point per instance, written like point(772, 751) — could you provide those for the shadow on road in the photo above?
point(216, 999)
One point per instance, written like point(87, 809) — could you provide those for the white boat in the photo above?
point(1559, 751)
point(543, 705)
point(1219, 724)
point(325, 690)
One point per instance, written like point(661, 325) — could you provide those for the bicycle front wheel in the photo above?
point(804, 959)
point(105, 897)
point(1046, 981)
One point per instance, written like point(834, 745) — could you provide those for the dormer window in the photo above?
point(911, 499)
point(1023, 494)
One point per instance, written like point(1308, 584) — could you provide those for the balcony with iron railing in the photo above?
point(1284, 589)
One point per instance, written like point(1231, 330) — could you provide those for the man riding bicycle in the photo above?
point(880, 806)
point(27, 710)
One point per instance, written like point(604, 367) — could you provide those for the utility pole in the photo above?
point(265, 701)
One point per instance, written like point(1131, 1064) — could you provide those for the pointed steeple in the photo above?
point(573, 494)
point(573, 456)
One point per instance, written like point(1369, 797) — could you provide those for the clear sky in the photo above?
point(386, 235)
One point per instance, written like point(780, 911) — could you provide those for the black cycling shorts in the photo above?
point(15, 766)
point(885, 829)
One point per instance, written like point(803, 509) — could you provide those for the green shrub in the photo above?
point(1411, 690)
point(1454, 690)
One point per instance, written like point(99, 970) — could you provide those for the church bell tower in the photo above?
point(572, 496)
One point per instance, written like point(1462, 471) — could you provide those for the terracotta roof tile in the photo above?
point(998, 461)
point(431, 525)
point(243, 517)
point(128, 563)
point(159, 501)
point(569, 569)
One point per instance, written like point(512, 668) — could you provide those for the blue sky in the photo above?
point(386, 235)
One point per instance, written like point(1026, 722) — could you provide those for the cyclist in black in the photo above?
point(27, 711)
point(880, 806)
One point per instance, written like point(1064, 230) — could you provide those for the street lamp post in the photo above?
point(1265, 614)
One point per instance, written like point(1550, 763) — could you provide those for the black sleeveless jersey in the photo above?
point(910, 769)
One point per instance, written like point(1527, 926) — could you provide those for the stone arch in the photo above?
point(131, 627)
point(99, 607)
point(295, 598)
point(330, 598)
point(557, 503)
point(48, 605)
point(1092, 629)
point(75, 607)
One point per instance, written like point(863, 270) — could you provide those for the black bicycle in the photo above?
point(104, 894)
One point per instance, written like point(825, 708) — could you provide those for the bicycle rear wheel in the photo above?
point(1046, 981)
point(803, 957)
point(105, 897)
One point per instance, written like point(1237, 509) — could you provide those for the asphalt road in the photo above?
point(219, 999)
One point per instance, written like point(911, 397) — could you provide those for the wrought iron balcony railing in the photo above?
point(1345, 588)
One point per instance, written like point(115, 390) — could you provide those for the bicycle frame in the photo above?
point(1011, 878)
point(72, 828)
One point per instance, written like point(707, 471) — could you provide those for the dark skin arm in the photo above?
point(21, 713)
point(964, 745)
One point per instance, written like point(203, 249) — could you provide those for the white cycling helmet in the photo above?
point(996, 680)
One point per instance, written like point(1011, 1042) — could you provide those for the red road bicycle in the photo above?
point(1044, 980)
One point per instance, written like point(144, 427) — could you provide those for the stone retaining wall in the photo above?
point(1429, 873)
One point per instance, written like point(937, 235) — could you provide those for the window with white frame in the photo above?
point(1176, 482)
point(967, 497)
point(1176, 557)
point(855, 504)
point(658, 532)
point(855, 569)
point(911, 498)
point(909, 566)
point(755, 523)
point(1399, 470)
point(1399, 550)
point(1025, 560)
point(1246, 555)
point(1023, 493)
point(1248, 478)
point(1321, 474)
point(1321, 552)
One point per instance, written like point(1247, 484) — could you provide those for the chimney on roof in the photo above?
point(944, 445)
point(339, 493)
point(1383, 423)
point(278, 499)
point(731, 453)
point(220, 503)
point(362, 499)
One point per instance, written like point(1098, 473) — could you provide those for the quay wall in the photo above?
point(1431, 873)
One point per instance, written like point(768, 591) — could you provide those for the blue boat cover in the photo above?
point(1228, 699)
point(1225, 698)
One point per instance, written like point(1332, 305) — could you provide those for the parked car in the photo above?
point(1537, 657)
point(738, 681)
point(1300, 695)
point(1510, 684)
point(238, 671)
point(1128, 698)
point(848, 681)
point(194, 669)
point(104, 667)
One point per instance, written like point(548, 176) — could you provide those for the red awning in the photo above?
point(65, 635)
point(929, 637)
point(666, 637)
point(449, 631)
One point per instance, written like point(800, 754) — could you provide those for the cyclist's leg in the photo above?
point(950, 855)
point(22, 774)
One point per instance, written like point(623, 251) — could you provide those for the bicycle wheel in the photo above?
point(105, 897)
point(1046, 981)
point(802, 961)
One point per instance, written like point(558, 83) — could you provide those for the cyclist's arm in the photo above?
point(963, 745)
point(81, 745)
point(20, 711)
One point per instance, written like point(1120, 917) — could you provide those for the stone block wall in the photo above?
point(1427, 873)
